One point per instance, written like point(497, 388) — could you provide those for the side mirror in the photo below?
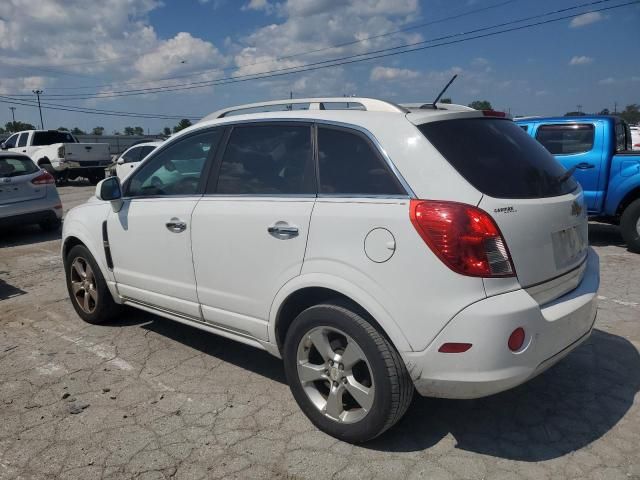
point(110, 190)
point(3, 146)
point(120, 161)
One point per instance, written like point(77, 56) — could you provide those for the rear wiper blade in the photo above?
point(567, 175)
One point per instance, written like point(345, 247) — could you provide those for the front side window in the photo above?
point(267, 160)
point(22, 140)
point(349, 165)
point(566, 139)
point(11, 141)
point(177, 169)
point(50, 137)
point(144, 151)
point(132, 155)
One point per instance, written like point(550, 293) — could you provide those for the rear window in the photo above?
point(567, 139)
point(498, 158)
point(51, 137)
point(15, 166)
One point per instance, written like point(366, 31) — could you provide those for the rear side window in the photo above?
point(621, 137)
point(498, 158)
point(15, 166)
point(349, 165)
point(566, 139)
point(22, 140)
point(51, 137)
point(267, 160)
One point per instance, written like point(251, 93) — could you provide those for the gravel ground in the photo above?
point(148, 398)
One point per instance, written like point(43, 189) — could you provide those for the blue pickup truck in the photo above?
point(597, 149)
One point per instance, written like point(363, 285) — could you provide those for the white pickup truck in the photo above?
point(61, 154)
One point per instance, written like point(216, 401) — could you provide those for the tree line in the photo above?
point(17, 126)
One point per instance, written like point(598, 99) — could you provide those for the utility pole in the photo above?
point(13, 115)
point(615, 108)
point(38, 93)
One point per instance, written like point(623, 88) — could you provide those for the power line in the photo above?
point(350, 59)
point(298, 54)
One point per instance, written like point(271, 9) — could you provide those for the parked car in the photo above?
point(635, 137)
point(371, 249)
point(61, 154)
point(131, 158)
point(28, 194)
point(597, 150)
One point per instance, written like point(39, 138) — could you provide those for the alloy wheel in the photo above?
point(83, 285)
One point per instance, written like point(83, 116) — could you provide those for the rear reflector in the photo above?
point(516, 339)
point(465, 238)
point(45, 178)
point(454, 347)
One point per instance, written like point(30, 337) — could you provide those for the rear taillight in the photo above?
point(45, 178)
point(464, 237)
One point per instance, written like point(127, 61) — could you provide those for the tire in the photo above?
point(104, 308)
point(48, 168)
point(630, 226)
point(95, 178)
point(382, 373)
point(52, 225)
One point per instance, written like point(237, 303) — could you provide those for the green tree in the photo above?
point(77, 131)
point(166, 131)
point(481, 105)
point(631, 113)
point(18, 126)
point(574, 114)
point(445, 100)
point(128, 130)
point(138, 131)
point(605, 111)
point(182, 124)
point(97, 130)
point(63, 129)
point(1, 130)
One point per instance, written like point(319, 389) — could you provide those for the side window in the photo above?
point(22, 141)
point(566, 139)
point(621, 137)
point(132, 155)
point(348, 164)
point(11, 141)
point(267, 160)
point(144, 151)
point(177, 169)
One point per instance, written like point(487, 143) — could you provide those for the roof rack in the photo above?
point(369, 104)
point(439, 106)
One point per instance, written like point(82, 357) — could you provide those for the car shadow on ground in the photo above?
point(604, 234)
point(564, 409)
point(26, 235)
point(9, 291)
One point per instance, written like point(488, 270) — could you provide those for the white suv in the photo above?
point(377, 251)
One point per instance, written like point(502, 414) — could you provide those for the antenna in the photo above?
point(443, 90)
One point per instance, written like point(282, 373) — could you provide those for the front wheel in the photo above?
point(87, 287)
point(630, 226)
point(345, 375)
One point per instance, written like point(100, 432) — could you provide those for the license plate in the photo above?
point(568, 246)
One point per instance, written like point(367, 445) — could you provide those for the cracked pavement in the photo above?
point(148, 398)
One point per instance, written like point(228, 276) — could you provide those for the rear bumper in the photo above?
point(29, 218)
point(489, 366)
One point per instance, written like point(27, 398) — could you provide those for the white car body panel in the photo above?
point(125, 169)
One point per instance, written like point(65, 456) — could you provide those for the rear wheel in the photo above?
point(630, 226)
point(87, 287)
point(346, 377)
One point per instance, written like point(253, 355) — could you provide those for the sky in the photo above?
point(77, 50)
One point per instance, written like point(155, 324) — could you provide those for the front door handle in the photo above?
point(176, 225)
point(585, 166)
point(283, 231)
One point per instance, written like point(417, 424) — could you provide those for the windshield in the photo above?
point(498, 158)
point(15, 166)
point(50, 137)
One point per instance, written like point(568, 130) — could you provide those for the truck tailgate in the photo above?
point(86, 152)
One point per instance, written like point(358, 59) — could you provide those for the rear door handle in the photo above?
point(283, 231)
point(585, 166)
point(176, 225)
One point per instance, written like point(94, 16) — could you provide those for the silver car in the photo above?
point(28, 194)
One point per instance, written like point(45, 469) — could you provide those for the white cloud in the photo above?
point(580, 60)
point(390, 74)
point(258, 5)
point(586, 19)
point(480, 62)
point(607, 81)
